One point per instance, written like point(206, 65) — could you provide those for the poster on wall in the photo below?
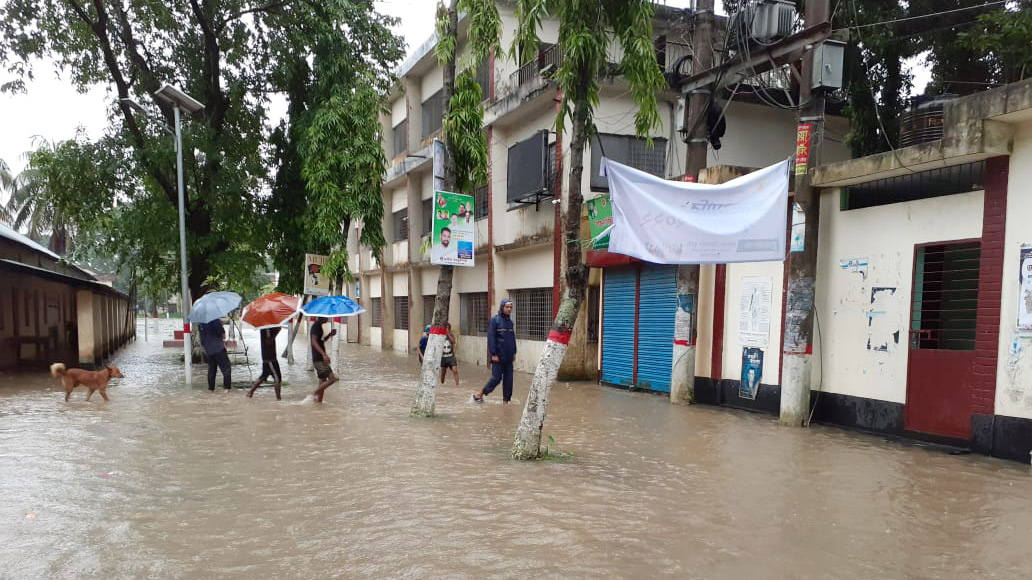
point(316, 284)
point(600, 219)
point(752, 372)
point(1025, 292)
point(754, 311)
point(453, 229)
point(802, 157)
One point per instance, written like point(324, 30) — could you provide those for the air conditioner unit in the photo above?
point(770, 19)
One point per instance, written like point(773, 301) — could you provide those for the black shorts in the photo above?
point(448, 362)
point(322, 370)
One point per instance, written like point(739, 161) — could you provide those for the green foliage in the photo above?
point(554, 453)
point(1005, 40)
point(333, 60)
point(584, 32)
point(463, 131)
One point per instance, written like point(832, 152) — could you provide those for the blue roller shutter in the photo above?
point(656, 309)
point(618, 326)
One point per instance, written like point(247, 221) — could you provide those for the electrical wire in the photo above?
point(986, 5)
point(874, 98)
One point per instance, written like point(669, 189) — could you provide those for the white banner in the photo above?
point(671, 222)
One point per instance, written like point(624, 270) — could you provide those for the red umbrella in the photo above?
point(270, 310)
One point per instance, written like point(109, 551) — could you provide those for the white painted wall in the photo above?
point(531, 268)
point(430, 83)
point(470, 279)
point(399, 283)
point(376, 337)
point(844, 298)
point(732, 353)
point(375, 287)
point(1014, 364)
point(400, 340)
point(399, 111)
point(399, 199)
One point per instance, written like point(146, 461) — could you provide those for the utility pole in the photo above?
point(797, 348)
point(682, 376)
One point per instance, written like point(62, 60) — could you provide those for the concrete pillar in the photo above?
point(84, 321)
point(413, 100)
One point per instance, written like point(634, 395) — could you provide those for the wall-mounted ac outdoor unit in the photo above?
point(770, 20)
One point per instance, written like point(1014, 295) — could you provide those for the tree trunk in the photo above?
point(527, 444)
point(424, 402)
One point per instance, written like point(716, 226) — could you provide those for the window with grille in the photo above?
point(630, 151)
point(914, 186)
point(480, 194)
point(433, 114)
point(401, 138)
point(593, 317)
point(428, 308)
point(532, 312)
point(428, 217)
point(945, 303)
point(550, 170)
point(401, 312)
point(401, 225)
point(474, 313)
point(376, 311)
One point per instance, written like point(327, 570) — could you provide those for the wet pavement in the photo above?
point(170, 481)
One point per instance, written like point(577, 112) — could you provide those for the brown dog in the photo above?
point(92, 380)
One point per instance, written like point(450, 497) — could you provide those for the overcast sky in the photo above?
point(53, 110)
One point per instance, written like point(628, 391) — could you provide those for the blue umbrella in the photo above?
point(214, 305)
point(332, 307)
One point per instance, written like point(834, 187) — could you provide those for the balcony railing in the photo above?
point(547, 60)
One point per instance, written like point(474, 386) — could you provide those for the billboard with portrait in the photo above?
point(453, 234)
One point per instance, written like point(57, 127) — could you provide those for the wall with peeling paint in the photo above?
point(732, 363)
point(863, 310)
point(1014, 365)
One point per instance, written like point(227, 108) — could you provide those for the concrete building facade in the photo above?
point(517, 250)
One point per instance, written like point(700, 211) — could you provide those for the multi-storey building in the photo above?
point(518, 253)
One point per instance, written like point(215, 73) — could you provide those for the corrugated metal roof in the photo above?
point(9, 233)
point(14, 236)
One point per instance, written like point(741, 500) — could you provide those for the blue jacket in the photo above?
point(501, 336)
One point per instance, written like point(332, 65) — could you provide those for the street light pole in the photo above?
point(179, 101)
point(185, 288)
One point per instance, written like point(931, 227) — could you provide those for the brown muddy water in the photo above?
point(169, 481)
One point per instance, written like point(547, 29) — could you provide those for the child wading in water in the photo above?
point(448, 357)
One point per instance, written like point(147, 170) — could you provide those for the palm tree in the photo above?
point(29, 205)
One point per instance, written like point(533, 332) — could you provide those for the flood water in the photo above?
point(169, 481)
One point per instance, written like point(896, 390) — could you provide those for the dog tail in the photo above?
point(57, 369)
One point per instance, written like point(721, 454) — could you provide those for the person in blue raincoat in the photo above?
point(501, 345)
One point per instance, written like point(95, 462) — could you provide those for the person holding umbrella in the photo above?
point(207, 312)
point(268, 313)
point(213, 339)
point(320, 309)
point(321, 360)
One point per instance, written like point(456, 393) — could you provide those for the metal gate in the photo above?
point(944, 308)
point(618, 322)
point(657, 307)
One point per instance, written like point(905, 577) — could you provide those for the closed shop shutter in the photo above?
point(618, 326)
point(657, 306)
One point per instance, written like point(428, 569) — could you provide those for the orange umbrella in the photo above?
point(270, 310)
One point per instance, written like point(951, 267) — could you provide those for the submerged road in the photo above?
point(169, 481)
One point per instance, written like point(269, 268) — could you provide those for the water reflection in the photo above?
point(167, 481)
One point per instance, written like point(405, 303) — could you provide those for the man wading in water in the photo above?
point(321, 360)
point(501, 344)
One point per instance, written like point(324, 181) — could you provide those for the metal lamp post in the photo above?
point(179, 100)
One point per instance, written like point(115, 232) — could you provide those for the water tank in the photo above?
point(922, 121)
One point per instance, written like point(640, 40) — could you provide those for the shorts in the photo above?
point(448, 362)
point(322, 370)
